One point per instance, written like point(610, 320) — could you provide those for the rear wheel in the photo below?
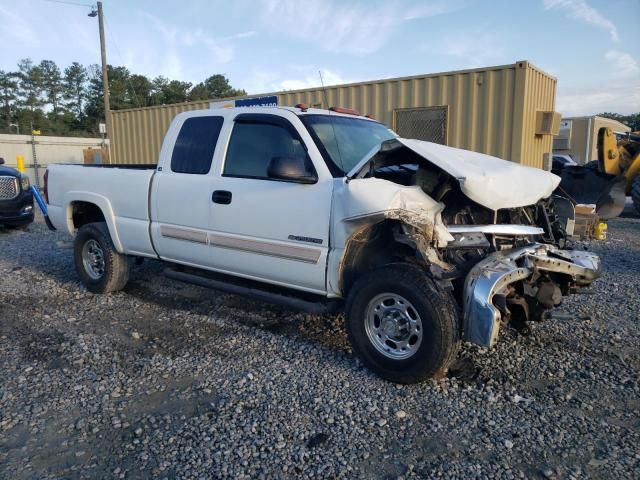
point(99, 265)
point(402, 325)
point(635, 193)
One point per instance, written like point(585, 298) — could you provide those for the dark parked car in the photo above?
point(560, 161)
point(16, 199)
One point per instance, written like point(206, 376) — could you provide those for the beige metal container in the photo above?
point(506, 111)
point(578, 136)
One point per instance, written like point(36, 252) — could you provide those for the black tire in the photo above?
point(635, 192)
point(115, 266)
point(436, 309)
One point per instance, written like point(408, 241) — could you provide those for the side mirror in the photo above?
point(291, 169)
point(1, 161)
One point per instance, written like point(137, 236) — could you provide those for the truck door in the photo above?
point(181, 192)
point(270, 230)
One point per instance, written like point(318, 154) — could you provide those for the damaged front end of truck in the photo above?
point(485, 229)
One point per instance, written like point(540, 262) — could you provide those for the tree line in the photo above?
point(632, 120)
point(69, 101)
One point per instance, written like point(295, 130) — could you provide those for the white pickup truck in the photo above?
point(421, 245)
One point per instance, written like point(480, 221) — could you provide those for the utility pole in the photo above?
point(105, 75)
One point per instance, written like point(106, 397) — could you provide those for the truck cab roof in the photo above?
point(297, 110)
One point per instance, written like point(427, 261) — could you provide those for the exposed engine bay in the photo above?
point(506, 265)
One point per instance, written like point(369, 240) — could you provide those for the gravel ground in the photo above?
point(167, 380)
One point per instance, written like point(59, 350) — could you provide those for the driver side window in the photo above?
point(254, 144)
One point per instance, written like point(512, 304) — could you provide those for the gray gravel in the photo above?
point(167, 380)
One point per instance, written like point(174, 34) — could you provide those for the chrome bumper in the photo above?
point(492, 275)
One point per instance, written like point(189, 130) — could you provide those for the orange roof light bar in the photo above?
point(347, 111)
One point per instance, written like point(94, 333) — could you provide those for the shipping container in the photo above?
point(578, 136)
point(506, 111)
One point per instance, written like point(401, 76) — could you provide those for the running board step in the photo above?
point(256, 293)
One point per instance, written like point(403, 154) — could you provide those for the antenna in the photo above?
point(333, 128)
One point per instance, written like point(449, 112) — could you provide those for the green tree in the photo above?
point(8, 98)
point(94, 109)
point(158, 86)
point(30, 94)
point(632, 120)
point(199, 92)
point(52, 85)
point(72, 101)
point(75, 89)
point(139, 91)
point(119, 90)
point(175, 92)
point(216, 86)
point(30, 84)
point(165, 91)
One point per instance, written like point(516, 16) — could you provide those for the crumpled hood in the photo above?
point(487, 180)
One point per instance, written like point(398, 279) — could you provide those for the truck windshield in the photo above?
point(344, 141)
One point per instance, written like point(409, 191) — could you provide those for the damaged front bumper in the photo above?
point(495, 274)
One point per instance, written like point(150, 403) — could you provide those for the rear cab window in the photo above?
point(196, 144)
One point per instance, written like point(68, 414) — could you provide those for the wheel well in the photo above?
point(372, 247)
point(85, 212)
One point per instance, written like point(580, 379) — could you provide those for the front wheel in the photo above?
point(402, 325)
point(99, 265)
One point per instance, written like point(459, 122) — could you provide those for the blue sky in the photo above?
point(591, 46)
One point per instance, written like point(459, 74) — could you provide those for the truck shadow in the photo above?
point(148, 285)
point(50, 254)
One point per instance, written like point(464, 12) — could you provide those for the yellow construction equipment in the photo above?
point(619, 154)
point(606, 182)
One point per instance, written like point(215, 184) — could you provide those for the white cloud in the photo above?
point(239, 35)
point(580, 10)
point(618, 91)
point(622, 64)
point(174, 44)
point(16, 28)
point(479, 48)
point(343, 27)
point(309, 81)
point(619, 97)
point(292, 78)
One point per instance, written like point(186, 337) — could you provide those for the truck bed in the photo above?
point(121, 192)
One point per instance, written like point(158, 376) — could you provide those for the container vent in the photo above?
point(427, 123)
point(547, 123)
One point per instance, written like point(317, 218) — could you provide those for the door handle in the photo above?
point(222, 197)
